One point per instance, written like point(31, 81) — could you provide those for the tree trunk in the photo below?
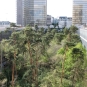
point(31, 62)
point(62, 74)
point(13, 69)
point(36, 83)
point(13, 75)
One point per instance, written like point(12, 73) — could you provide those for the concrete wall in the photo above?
point(83, 36)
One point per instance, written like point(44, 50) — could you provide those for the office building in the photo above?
point(65, 22)
point(55, 21)
point(31, 12)
point(79, 12)
point(4, 24)
point(52, 20)
point(69, 22)
point(49, 20)
point(62, 21)
point(19, 13)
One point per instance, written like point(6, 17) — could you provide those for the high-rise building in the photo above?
point(19, 12)
point(31, 12)
point(79, 12)
point(49, 20)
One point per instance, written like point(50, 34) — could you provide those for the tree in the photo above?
point(36, 27)
point(13, 25)
point(73, 29)
point(30, 64)
point(66, 31)
point(59, 37)
point(14, 41)
point(74, 62)
point(54, 31)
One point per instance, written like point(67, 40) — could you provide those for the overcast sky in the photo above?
point(55, 8)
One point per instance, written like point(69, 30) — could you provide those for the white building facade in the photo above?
point(65, 22)
point(62, 21)
point(69, 22)
point(5, 24)
point(49, 20)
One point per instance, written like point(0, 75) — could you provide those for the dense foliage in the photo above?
point(43, 58)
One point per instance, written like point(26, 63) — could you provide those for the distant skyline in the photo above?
point(55, 8)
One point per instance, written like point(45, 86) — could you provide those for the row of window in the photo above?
point(4, 23)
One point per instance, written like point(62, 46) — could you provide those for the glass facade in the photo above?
point(40, 12)
point(28, 14)
point(19, 12)
point(79, 12)
point(34, 12)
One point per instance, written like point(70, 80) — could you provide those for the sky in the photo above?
point(55, 8)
